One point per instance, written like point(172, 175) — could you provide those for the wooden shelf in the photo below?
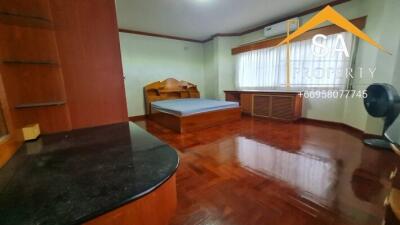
point(2, 13)
point(32, 62)
point(39, 104)
point(12, 18)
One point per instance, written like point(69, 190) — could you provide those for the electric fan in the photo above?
point(382, 101)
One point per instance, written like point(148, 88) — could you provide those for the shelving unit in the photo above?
point(33, 62)
point(2, 13)
point(39, 104)
point(18, 19)
point(30, 48)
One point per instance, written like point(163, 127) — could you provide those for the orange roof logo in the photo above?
point(329, 14)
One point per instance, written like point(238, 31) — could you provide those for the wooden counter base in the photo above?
point(156, 208)
point(282, 105)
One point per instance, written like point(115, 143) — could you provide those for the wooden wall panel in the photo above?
point(34, 8)
point(246, 102)
point(10, 143)
point(88, 42)
point(27, 44)
point(262, 105)
point(30, 65)
point(36, 83)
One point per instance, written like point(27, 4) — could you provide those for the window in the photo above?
point(267, 67)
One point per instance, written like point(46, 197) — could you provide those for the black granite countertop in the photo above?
point(72, 177)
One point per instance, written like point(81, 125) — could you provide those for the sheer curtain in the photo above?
point(261, 68)
point(267, 67)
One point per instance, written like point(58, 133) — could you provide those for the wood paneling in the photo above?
point(9, 145)
point(246, 103)
point(60, 65)
point(209, 119)
point(137, 118)
point(156, 208)
point(262, 105)
point(274, 104)
point(190, 123)
point(30, 69)
point(283, 107)
point(88, 42)
point(13, 140)
point(174, 89)
point(327, 30)
point(233, 97)
point(278, 106)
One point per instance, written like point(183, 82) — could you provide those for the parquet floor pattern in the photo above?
point(258, 171)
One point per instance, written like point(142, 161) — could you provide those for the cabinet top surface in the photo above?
point(72, 177)
point(265, 91)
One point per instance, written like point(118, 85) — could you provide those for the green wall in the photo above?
point(149, 59)
point(381, 16)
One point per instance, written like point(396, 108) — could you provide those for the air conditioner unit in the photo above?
point(280, 28)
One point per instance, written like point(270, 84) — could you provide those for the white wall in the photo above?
point(226, 64)
point(148, 59)
point(210, 70)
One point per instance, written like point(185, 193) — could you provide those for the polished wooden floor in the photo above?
point(257, 171)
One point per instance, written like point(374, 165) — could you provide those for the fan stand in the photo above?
point(382, 142)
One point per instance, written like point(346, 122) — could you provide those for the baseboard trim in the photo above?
point(357, 132)
point(137, 118)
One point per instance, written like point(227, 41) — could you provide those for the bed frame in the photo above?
point(174, 89)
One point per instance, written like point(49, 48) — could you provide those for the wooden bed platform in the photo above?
point(174, 89)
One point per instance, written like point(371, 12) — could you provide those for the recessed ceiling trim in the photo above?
point(333, 3)
point(158, 35)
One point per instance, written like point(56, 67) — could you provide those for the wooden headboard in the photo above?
point(168, 89)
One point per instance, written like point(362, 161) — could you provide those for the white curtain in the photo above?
point(267, 67)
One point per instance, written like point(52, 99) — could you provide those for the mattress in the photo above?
point(190, 106)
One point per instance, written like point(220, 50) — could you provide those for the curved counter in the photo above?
point(75, 177)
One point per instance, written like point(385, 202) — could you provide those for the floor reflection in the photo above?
point(258, 171)
point(309, 174)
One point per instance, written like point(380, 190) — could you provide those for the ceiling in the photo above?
point(200, 19)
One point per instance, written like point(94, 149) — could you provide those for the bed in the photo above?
point(177, 105)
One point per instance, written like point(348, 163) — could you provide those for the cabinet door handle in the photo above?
point(393, 174)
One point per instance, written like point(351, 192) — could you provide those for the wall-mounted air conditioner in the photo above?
point(280, 28)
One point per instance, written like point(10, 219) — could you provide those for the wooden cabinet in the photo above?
point(246, 103)
point(232, 96)
point(278, 105)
